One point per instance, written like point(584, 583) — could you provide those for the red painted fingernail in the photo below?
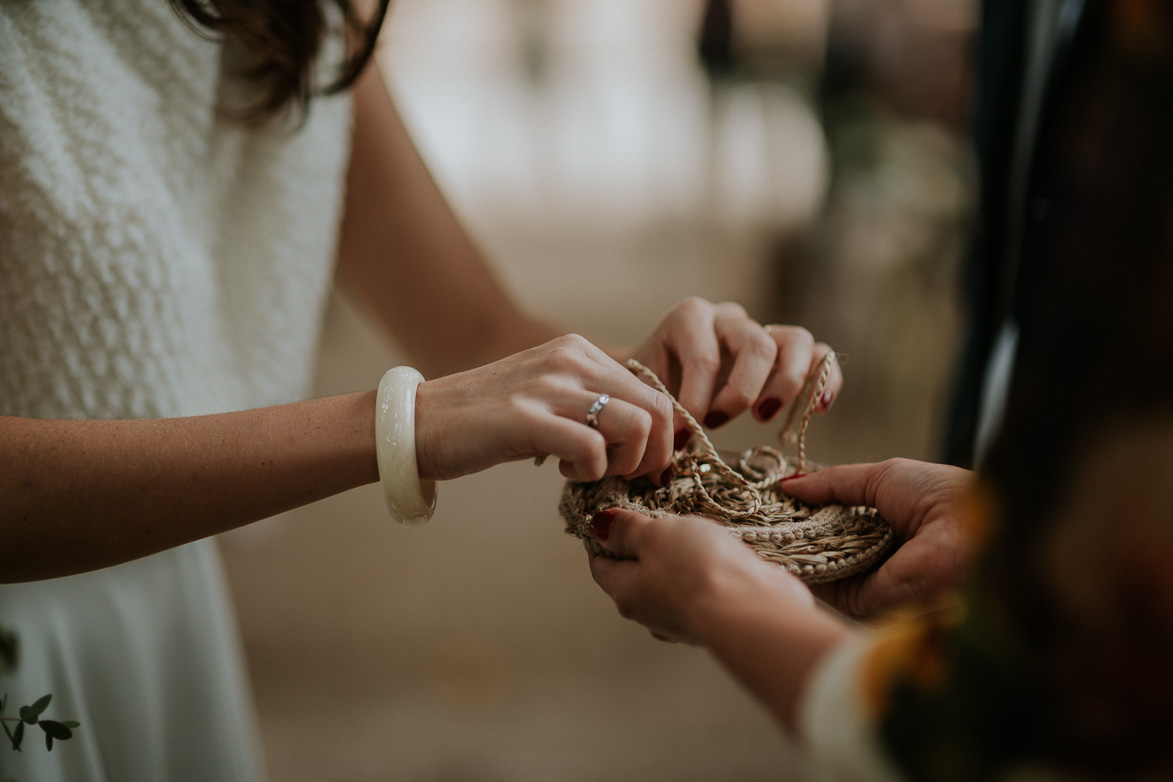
point(826, 399)
point(601, 524)
point(667, 476)
point(682, 438)
point(715, 419)
point(792, 477)
point(768, 408)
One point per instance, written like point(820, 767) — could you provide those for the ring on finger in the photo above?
point(592, 416)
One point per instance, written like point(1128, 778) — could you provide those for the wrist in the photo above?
point(771, 635)
point(410, 500)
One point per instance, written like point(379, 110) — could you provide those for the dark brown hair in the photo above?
point(285, 38)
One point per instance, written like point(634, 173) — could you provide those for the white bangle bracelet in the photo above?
point(409, 500)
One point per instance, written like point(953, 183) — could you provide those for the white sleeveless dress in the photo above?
point(157, 259)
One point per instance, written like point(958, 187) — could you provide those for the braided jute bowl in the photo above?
point(741, 491)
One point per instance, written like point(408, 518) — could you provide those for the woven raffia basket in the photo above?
point(741, 491)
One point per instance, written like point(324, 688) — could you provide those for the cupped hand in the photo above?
point(924, 503)
point(673, 574)
point(535, 403)
point(719, 362)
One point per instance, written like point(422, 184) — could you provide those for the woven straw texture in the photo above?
point(741, 491)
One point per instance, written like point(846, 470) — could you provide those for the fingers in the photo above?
point(847, 484)
point(622, 441)
point(799, 361)
point(719, 362)
point(834, 380)
point(754, 353)
point(536, 402)
point(904, 491)
point(634, 427)
point(693, 355)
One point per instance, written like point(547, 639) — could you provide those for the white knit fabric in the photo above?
point(842, 741)
point(157, 258)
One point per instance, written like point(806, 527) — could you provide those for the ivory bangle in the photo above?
point(410, 500)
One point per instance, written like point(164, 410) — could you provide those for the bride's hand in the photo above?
point(535, 403)
point(719, 362)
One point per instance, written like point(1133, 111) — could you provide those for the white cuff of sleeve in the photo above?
point(409, 500)
point(842, 741)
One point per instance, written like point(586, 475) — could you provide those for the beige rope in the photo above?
point(787, 435)
point(740, 497)
point(817, 544)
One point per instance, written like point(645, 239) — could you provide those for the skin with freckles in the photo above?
point(76, 495)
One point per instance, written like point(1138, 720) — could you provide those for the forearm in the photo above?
point(81, 495)
point(771, 647)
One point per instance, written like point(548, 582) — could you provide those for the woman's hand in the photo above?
point(924, 503)
point(671, 570)
point(535, 403)
point(687, 579)
point(718, 362)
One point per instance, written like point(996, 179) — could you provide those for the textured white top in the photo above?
point(841, 739)
point(157, 258)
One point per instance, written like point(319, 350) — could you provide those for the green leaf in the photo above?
point(8, 733)
point(57, 730)
point(48, 743)
point(30, 713)
point(19, 737)
point(71, 724)
point(40, 705)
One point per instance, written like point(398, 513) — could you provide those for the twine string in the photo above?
point(817, 385)
point(719, 488)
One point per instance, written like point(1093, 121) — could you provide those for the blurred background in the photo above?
point(803, 157)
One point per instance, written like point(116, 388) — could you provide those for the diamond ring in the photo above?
point(592, 416)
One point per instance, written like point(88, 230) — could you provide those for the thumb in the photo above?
point(619, 531)
point(848, 484)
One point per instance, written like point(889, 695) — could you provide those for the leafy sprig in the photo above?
point(31, 714)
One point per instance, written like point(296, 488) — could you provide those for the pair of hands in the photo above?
point(675, 573)
point(714, 358)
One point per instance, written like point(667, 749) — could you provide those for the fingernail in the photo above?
point(667, 476)
point(825, 400)
point(792, 477)
point(767, 408)
point(682, 438)
point(601, 524)
point(715, 419)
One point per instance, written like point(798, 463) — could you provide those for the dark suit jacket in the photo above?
point(991, 274)
point(1092, 293)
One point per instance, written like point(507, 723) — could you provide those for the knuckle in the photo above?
point(569, 343)
point(762, 346)
point(662, 408)
point(707, 362)
point(642, 424)
point(789, 387)
point(794, 334)
point(741, 398)
point(545, 386)
point(732, 309)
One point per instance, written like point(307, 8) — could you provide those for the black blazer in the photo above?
point(991, 274)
